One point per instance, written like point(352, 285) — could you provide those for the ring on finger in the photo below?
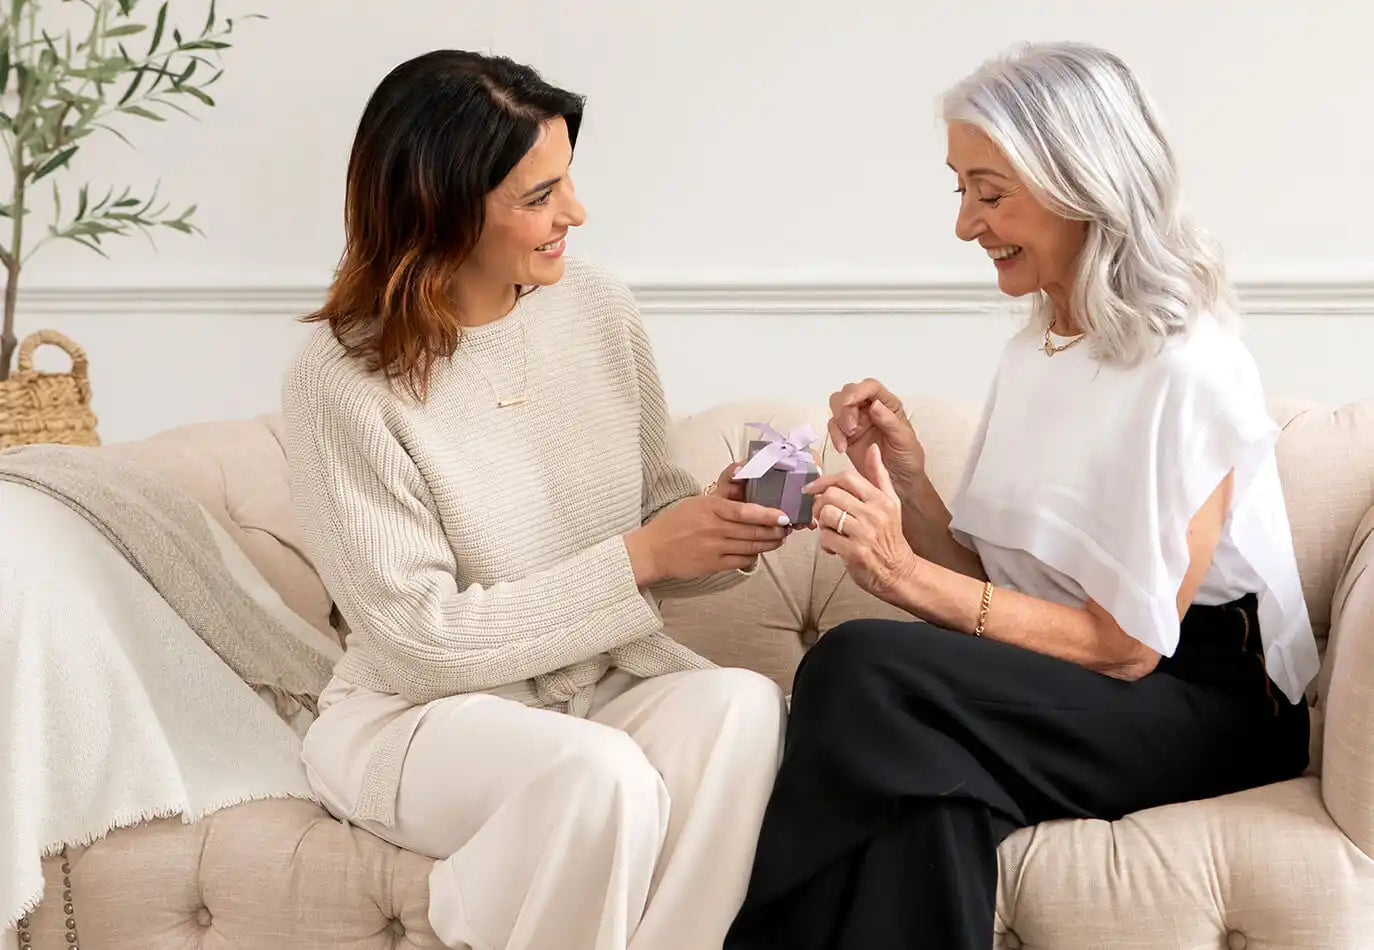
point(839, 525)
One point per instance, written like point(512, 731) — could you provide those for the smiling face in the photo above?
point(1032, 247)
point(528, 216)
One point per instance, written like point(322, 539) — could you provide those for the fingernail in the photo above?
point(784, 520)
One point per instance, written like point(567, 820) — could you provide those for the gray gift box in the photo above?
point(781, 489)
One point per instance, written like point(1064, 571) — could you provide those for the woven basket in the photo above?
point(47, 407)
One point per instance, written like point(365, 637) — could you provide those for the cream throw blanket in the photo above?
point(123, 703)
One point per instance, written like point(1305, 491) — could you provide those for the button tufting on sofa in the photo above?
point(1010, 941)
point(1235, 940)
point(203, 916)
point(398, 928)
point(809, 635)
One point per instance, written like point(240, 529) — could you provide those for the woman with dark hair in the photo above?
point(476, 438)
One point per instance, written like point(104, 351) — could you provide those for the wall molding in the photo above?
point(1315, 297)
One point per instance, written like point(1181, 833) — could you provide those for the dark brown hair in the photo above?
point(438, 135)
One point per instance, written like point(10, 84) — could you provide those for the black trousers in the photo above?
point(912, 751)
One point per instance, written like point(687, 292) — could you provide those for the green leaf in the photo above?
point(185, 73)
point(176, 37)
point(133, 86)
point(205, 44)
point(81, 201)
point(5, 67)
point(126, 29)
point(198, 94)
point(157, 30)
point(54, 163)
point(181, 226)
point(142, 113)
point(210, 20)
point(113, 131)
point(162, 100)
point(85, 243)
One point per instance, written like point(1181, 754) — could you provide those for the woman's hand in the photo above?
point(726, 487)
point(861, 522)
point(703, 534)
point(866, 413)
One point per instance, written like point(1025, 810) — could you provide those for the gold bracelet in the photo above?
point(983, 610)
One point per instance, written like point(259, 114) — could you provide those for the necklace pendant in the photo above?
point(519, 400)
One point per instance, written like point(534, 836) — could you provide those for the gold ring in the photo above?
point(839, 525)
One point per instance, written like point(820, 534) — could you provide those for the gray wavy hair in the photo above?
point(1075, 123)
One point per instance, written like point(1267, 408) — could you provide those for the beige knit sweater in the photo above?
point(479, 549)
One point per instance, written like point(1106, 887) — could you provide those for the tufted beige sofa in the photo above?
point(1286, 867)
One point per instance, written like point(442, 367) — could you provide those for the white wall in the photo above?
point(792, 144)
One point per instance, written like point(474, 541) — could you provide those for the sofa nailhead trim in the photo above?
point(68, 908)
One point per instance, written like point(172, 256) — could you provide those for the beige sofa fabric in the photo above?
point(1348, 693)
point(1268, 868)
point(237, 471)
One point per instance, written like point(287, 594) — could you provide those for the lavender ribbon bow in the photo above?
point(789, 452)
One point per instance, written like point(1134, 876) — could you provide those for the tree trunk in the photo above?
point(8, 341)
point(13, 264)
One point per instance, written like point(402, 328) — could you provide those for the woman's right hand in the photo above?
point(703, 534)
point(865, 413)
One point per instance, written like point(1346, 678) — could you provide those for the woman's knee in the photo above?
point(849, 653)
point(604, 772)
point(735, 695)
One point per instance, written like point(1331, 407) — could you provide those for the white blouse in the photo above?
point(1083, 477)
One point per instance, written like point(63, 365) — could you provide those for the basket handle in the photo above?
point(36, 339)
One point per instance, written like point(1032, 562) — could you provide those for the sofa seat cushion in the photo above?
point(258, 876)
point(1265, 869)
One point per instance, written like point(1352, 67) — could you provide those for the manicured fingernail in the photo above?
point(784, 520)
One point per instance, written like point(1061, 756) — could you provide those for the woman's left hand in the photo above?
point(861, 522)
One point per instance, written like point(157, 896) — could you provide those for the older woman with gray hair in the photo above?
point(1111, 615)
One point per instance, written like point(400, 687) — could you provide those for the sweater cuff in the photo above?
point(612, 578)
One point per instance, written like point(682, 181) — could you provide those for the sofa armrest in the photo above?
point(1348, 696)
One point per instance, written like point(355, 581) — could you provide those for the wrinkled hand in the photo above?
point(867, 413)
point(875, 553)
point(703, 534)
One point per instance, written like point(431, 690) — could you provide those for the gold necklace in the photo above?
point(1049, 349)
point(523, 396)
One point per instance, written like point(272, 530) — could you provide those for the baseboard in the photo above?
point(1346, 298)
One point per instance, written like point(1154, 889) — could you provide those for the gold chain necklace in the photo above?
point(1049, 349)
point(524, 395)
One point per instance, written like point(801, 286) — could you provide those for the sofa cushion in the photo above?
point(1326, 462)
point(237, 471)
point(1264, 869)
point(258, 876)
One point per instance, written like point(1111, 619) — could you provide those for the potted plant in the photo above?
point(59, 87)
